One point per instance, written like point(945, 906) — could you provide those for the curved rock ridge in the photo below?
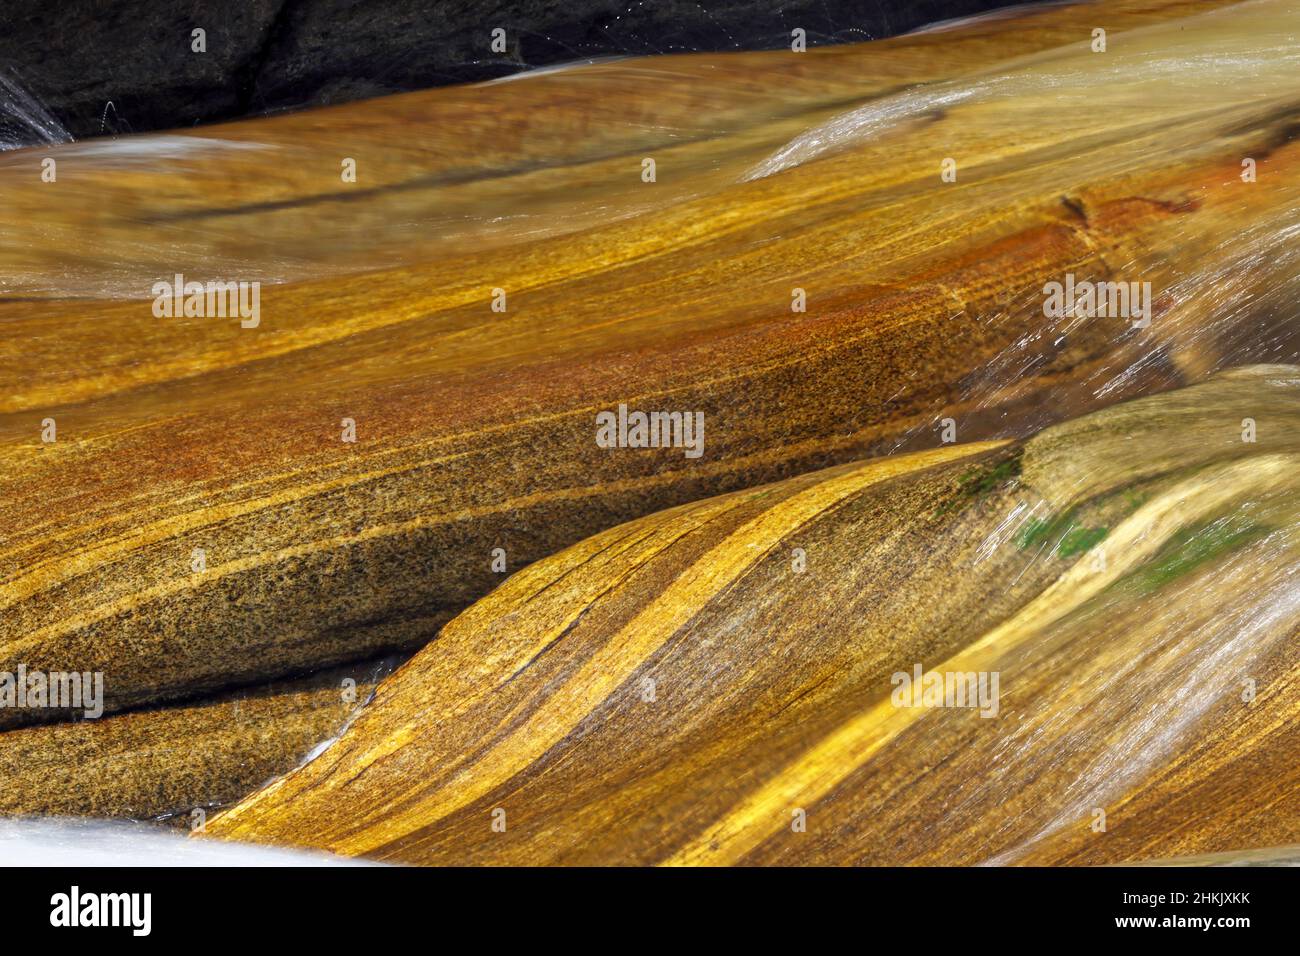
point(729, 681)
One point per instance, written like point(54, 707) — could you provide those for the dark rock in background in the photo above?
point(77, 57)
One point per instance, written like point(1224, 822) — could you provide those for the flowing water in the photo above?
point(1171, 160)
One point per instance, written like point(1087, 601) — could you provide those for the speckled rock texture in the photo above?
point(201, 519)
point(171, 761)
point(674, 690)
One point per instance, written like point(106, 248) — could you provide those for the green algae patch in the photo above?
point(1071, 537)
point(978, 482)
point(1190, 549)
point(1079, 540)
point(1035, 532)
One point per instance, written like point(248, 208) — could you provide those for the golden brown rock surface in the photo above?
point(686, 688)
point(170, 761)
point(475, 428)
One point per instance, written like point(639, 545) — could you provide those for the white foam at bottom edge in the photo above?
point(73, 842)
